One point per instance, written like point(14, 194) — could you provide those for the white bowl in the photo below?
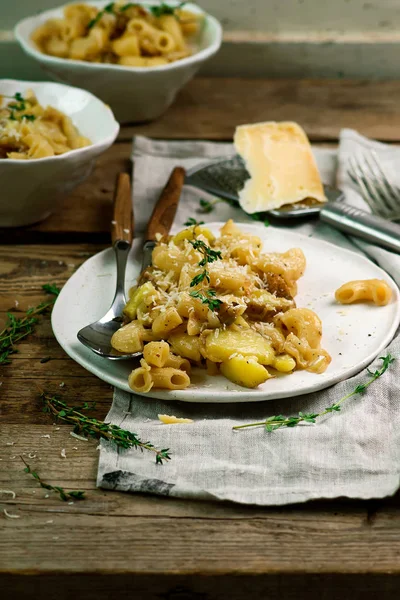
point(32, 189)
point(135, 94)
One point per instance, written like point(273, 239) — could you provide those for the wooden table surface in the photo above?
point(122, 545)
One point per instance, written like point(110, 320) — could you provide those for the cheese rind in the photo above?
point(281, 165)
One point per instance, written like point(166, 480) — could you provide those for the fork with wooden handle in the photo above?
point(97, 336)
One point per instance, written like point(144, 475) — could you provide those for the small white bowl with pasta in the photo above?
point(125, 54)
point(50, 137)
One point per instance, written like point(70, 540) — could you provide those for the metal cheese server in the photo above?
point(225, 178)
point(97, 336)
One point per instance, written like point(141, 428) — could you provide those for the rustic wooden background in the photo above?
point(118, 545)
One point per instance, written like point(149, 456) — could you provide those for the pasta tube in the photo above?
point(374, 290)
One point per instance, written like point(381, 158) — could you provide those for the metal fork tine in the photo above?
point(357, 174)
point(392, 194)
point(375, 182)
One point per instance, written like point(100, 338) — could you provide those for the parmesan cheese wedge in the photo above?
point(171, 419)
point(281, 165)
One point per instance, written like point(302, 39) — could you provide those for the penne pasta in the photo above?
point(156, 354)
point(121, 33)
point(366, 290)
point(169, 378)
point(140, 380)
point(30, 131)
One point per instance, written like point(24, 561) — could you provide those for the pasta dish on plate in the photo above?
point(221, 304)
point(28, 130)
point(126, 34)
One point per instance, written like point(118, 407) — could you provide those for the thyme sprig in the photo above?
point(191, 222)
point(277, 421)
point(65, 496)
point(18, 328)
point(18, 106)
point(109, 8)
point(209, 255)
point(164, 9)
point(207, 297)
point(156, 11)
point(90, 427)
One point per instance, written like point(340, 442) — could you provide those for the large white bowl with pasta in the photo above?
point(32, 189)
point(135, 94)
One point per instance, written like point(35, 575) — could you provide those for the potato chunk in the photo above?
point(221, 344)
point(246, 372)
point(141, 294)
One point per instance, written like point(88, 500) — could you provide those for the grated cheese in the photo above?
point(9, 492)
point(9, 516)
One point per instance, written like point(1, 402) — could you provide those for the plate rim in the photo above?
point(175, 395)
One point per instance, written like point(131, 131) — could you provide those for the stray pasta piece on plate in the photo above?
point(372, 290)
point(221, 304)
point(121, 33)
point(29, 130)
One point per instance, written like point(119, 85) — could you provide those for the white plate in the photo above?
point(354, 335)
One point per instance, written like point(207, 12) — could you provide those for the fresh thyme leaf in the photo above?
point(90, 427)
point(260, 217)
point(208, 298)
point(164, 9)
point(18, 328)
point(109, 8)
point(199, 278)
point(126, 6)
point(207, 206)
point(209, 255)
point(77, 495)
point(272, 423)
point(51, 288)
point(192, 222)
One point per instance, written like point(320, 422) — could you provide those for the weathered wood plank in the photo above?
point(203, 538)
point(210, 108)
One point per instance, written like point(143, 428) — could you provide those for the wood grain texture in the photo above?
point(211, 108)
point(117, 545)
point(164, 211)
point(122, 225)
point(202, 538)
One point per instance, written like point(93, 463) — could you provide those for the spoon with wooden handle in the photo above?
point(97, 336)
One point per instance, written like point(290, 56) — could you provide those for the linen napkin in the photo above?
point(354, 453)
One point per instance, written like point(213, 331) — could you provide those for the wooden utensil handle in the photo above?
point(122, 223)
point(164, 211)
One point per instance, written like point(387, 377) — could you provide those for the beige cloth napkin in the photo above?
point(354, 453)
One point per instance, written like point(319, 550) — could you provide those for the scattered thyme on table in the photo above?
point(65, 496)
point(90, 427)
point(19, 327)
point(278, 421)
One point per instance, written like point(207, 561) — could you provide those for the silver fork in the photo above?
point(382, 197)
